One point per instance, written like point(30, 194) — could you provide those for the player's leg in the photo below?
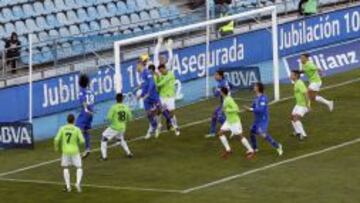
point(76, 161)
point(253, 137)
point(151, 115)
point(87, 142)
point(121, 140)
point(223, 139)
point(107, 135)
point(65, 162)
point(170, 104)
point(214, 120)
point(297, 114)
point(236, 130)
point(262, 131)
point(313, 93)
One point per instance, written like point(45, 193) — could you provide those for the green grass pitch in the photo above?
point(189, 168)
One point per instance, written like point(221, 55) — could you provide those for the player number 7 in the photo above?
point(68, 137)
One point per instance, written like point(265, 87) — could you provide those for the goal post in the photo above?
point(118, 45)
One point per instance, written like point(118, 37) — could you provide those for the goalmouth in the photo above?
point(118, 45)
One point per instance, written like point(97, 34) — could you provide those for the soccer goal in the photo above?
point(199, 57)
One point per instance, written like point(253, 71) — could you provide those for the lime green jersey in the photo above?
point(312, 72)
point(119, 115)
point(231, 110)
point(300, 92)
point(68, 140)
point(166, 85)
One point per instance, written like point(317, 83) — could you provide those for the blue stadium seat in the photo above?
point(135, 19)
point(154, 3)
point(102, 11)
point(52, 21)
point(77, 47)
point(94, 26)
point(35, 39)
point(28, 10)
point(131, 6)
point(92, 13)
point(142, 4)
point(112, 9)
point(72, 17)
point(104, 24)
point(125, 21)
point(64, 32)
point(155, 15)
point(74, 30)
point(20, 28)
point(84, 27)
point(7, 14)
point(114, 21)
point(53, 34)
point(65, 50)
point(71, 4)
point(82, 15)
point(9, 28)
point(62, 19)
point(145, 17)
point(49, 6)
point(43, 36)
point(23, 40)
point(39, 8)
point(41, 23)
point(17, 12)
point(47, 54)
point(60, 5)
point(31, 25)
point(164, 12)
point(121, 6)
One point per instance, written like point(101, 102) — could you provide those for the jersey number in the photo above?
point(122, 116)
point(68, 137)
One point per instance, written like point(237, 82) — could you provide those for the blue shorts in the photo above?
point(84, 121)
point(152, 104)
point(260, 128)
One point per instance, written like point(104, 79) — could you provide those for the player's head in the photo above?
point(259, 87)
point(84, 81)
point(144, 58)
point(119, 97)
point(219, 75)
point(295, 75)
point(162, 59)
point(162, 69)
point(71, 119)
point(152, 68)
point(304, 58)
point(224, 91)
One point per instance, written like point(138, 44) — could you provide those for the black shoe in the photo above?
point(85, 155)
point(66, 189)
point(130, 156)
point(103, 159)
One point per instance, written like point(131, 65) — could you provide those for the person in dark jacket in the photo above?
point(12, 47)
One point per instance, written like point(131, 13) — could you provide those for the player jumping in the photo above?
point(118, 115)
point(302, 104)
point(260, 109)
point(232, 124)
point(218, 115)
point(85, 118)
point(67, 141)
point(312, 72)
point(152, 103)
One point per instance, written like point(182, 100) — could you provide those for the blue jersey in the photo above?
point(148, 86)
point(260, 109)
point(84, 119)
point(220, 84)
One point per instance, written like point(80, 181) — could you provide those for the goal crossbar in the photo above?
point(204, 24)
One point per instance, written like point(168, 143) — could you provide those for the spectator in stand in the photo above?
point(12, 47)
point(308, 7)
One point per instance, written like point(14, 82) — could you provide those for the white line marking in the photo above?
point(182, 127)
point(93, 186)
point(233, 177)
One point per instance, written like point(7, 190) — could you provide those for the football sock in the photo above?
point(300, 128)
point(167, 115)
point(104, 149)
point(246, 144)
point(295, 127)
point(152, 121)
point(87, 141)
point(213, 125)
point(225, 142)
point(67, 178)
point(271, 141)
point(322, 100)
point(79, 174)
point(253, 140)
point(175, 124)
point(124, 145)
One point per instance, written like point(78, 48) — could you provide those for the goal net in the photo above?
point(247, 54)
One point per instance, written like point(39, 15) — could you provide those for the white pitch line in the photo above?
point(240, 175)
point(92, 186)
point(183, 126)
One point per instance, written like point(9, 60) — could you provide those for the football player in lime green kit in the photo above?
point(67, 141)
point(118, 116)
point(312, 72)
point(302, 104)
point(233, 125)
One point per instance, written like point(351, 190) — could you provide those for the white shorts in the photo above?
point(168, 103)
point(300, 110)
point(315, 86)
point(110, 133)
point(235, 128)
point(71, 160)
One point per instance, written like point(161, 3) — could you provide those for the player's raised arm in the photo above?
point(169, 47)
point(157, 52)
